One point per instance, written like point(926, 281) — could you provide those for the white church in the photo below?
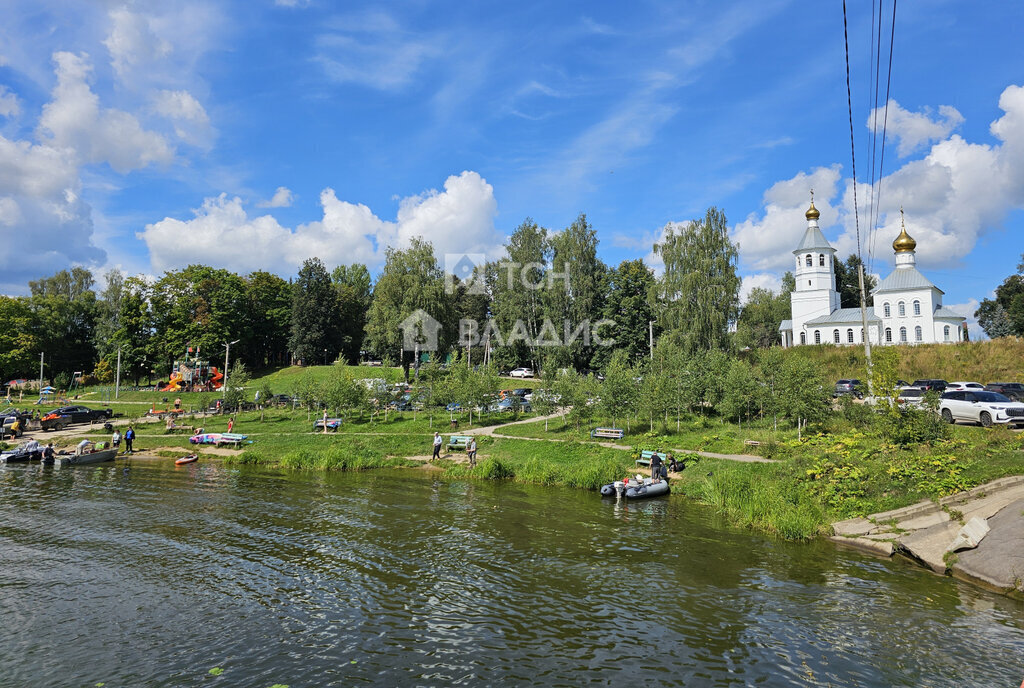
point(907, 306)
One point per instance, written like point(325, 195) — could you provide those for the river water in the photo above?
point(152, 575)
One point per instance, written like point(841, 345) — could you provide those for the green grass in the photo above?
point(995, 360)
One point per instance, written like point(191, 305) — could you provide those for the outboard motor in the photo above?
point(620, 489)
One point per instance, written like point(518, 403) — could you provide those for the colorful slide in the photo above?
point(173, 383)
point(216, 380)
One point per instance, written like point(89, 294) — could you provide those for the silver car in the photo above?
point(983, 407)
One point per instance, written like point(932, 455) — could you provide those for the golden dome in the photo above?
point(812, 212)
point(904, 242)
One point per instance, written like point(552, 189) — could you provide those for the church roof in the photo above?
point(943, 313)
point(813, 239)
point(786, 326)
point(843, 316)
point(903, 279)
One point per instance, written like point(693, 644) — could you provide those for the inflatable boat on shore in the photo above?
point(636, 488)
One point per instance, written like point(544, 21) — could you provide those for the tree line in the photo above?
point(550, 284)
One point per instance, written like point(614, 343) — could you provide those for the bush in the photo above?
point(903, 425)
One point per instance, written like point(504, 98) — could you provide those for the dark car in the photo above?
point(1014, 391)
point(930, 385)
point(852, 386)
point(84, 414)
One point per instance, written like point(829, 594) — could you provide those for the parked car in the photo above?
point(7, 422)
point(1011, 390)
point(973, 386)
point(521, 392)
point(911, 396)
point(84, 414)
point(281, 399)
point(930, 384)
point(979, 406)
point(509, 404)
point(852, 386)
point(453, 407)
point(521, 372)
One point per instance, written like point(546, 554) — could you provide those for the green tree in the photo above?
point(134, 330)
point(315, 336)
point(411, 286)
point(65, 311)
point(268, 302)
point(234, 392)
point(848, 283)
point(108, 309)
point(628, 307)
point(517, 286)
point(739, 396)
point(761, 316)
point(803, 395)
point(355, 294)
point(199, 307)
point(575, 295)
point(698, 293)
point(19, 345)
point(1004, 315)
point(619, 392)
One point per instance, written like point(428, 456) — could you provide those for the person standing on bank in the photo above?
point(655, 467)
point(129, 438)
point(231, 423)
point(437, 446)
point(471, 451)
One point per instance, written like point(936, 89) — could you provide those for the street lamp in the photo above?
point(227, 352)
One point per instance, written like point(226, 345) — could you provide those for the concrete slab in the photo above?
point(884, 549)
point(853, 526)
point(929, 545)
point(998, 561)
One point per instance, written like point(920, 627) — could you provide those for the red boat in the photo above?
point(191, 458)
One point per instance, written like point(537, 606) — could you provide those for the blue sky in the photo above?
point(250, 135)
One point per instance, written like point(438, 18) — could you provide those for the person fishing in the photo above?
point(437, 446)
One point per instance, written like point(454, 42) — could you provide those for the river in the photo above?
point(152, 575)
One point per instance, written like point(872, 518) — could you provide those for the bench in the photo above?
point(609, 433)
point(332, 424)
point(459, 441)
point(645, 457)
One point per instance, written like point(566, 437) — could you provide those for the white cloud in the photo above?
point(958, 192)
point(74, 120)
point(132, 41)
point(8, 103)
point(282, 198)
point(459, 219)
point(191, 123)
point(373, 50)
point(914, 129)
point(761, 280)
point(766, 241)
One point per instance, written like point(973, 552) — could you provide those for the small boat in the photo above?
point(20, 455)
point(635, 488)
point(85, 458)
point(191, 458)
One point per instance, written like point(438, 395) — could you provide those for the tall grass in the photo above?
point(995, 360)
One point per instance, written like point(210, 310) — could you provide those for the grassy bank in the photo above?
point(840, 470)
point(997, 360)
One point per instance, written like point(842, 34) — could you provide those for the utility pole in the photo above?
point(41, 354)
point(864, 325)
point(117, 380)
point(650, 337)
point(227, 353)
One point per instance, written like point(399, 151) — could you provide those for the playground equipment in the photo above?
point(194, 374)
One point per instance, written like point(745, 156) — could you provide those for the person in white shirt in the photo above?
point(437, 446)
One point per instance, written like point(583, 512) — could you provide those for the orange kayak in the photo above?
point(191, 458)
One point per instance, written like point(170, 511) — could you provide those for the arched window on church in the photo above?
point(887, 310)
point(888, 334)
point(918, 334)
point(849, 336)
point(803, 337)
point(917, 307)
point(901, 308)
point(945, 333)
point(903, 334)
point(835, 336)
point(817, 336)
point(809, 260)
point(821, 259)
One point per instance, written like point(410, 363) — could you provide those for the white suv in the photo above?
point(521, 372)
point(980, 407)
